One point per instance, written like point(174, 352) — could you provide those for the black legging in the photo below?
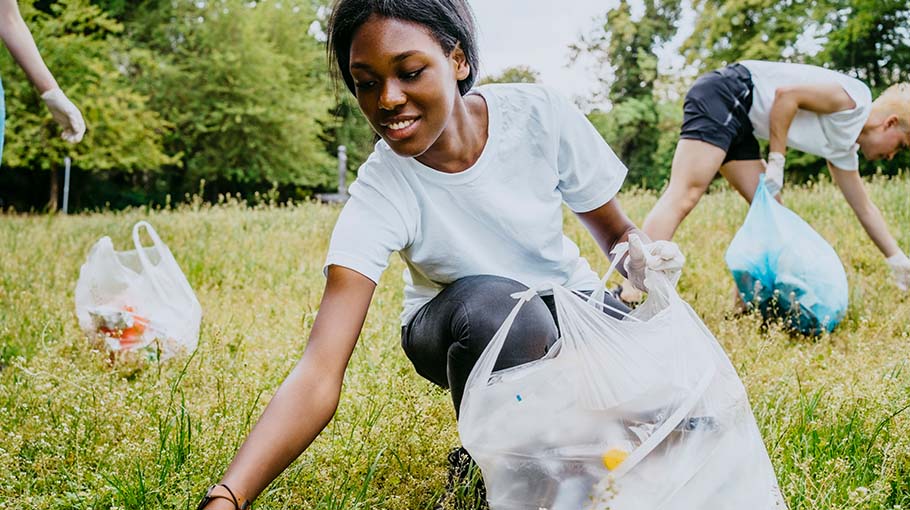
point(447, 335)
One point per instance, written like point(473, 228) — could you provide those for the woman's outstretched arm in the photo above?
point(308, 397)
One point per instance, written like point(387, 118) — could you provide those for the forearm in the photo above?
point(21, 45)
point(874, 223)
point(623, 237)
point(869, 216)
point(610, 226)
point(300, 409)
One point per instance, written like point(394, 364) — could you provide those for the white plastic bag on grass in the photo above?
point(137, 301)
point(645, 413)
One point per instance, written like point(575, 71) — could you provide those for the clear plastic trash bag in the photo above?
point(644, 413)
point(137, 302)
point(786, 269)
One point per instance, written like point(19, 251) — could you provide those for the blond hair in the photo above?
point(895, 100)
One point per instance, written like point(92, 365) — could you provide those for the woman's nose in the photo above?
point(391, 96)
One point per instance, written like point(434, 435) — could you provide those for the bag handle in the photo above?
point(657, 281)
point(163, 253)
point(156, 242)
point(600, 292)
point(483, 369)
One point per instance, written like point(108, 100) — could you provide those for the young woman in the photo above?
point(815, 110)
point(467, 186)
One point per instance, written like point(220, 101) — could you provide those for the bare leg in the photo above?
point(743, 176)
point(695, 164)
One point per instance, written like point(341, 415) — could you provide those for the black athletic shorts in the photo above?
point(716, 110)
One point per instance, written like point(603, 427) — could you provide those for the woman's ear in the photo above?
point(892, 121)
point(460, 63)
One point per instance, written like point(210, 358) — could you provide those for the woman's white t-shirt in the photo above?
point(502, 216)
point(832, 135)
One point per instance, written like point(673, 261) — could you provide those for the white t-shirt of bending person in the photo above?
point(502, 216)
point(831, 136)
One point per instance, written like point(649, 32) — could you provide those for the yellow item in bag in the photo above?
point(613, 458)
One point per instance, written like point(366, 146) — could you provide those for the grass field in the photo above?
point(76, 432)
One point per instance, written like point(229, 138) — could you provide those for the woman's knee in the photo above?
point(486, 302)
point(684, 196)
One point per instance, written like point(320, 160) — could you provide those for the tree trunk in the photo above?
point(55, 192)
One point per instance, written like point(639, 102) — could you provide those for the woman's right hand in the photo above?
point(306, 400)
point(664, 256)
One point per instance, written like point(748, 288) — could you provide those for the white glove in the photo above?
point(662, 256)
point(66, 114)
point(900, 269)
point(774, 173)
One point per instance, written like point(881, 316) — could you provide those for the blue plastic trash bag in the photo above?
point(786, 269)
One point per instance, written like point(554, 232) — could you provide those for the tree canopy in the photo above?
point(238, 94)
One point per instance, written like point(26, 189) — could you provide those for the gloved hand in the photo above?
point(900, 269)
point(66, 114)
point(662, 256)
point(774, 173)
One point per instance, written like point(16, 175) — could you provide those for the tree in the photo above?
point(731, 30)
point(638, 122)
point(81, 46)
point(869, 38)
point(516, 74)
point(246, 89)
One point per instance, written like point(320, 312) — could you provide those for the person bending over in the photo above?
point(809, 108)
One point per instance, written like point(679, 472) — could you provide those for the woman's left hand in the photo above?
point(664, 256)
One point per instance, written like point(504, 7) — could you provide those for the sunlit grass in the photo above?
point(78, 433)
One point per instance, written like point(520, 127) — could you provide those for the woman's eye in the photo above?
point(413, 75)
point(364, 85)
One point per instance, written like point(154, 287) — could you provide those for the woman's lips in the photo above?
point(402, 129)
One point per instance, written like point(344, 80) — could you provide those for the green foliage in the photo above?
point(732, 30)
point(350, 129)
point(639, 127)
point(516, 74)
point(644, 133)
point(246, 88)
point(870, 38)
point(80, 45)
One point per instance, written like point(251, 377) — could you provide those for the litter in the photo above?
point(137, 302)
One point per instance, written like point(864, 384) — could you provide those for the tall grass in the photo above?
point(76, 432)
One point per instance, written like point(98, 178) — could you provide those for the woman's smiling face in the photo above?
point(405, 83)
